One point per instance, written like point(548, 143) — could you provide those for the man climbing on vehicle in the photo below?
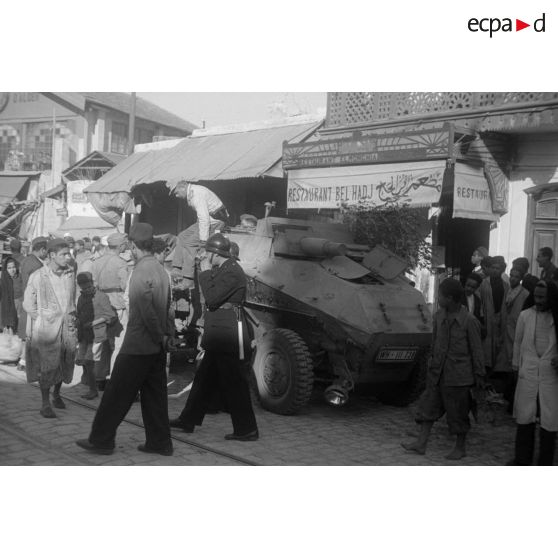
point(211, 216)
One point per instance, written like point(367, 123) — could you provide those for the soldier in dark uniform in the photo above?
point(226, 342)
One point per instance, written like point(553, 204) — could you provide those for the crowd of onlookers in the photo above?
point(101, 269)
point(494, 338)
point(506, 355)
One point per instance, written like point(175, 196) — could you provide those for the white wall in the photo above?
point(536, 163)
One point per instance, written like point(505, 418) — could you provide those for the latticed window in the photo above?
point(346, 109)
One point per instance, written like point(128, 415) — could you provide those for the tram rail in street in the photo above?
point(197, 445)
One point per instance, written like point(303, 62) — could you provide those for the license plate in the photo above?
point(396, 355)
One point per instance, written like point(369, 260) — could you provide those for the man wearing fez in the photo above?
point(140, 365)
point(49, 301)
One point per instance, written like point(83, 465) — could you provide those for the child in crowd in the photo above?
point(97, 321)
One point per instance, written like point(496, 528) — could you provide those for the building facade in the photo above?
point(484, 164)
point(52, 145)
point(52, 131)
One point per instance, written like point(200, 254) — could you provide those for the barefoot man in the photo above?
point(457, 365)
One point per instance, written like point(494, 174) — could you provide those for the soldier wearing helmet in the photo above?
point(226, 342)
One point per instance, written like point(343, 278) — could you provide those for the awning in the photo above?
point(418, 184)
point(227, 156)
point(471, 194)
point(10, 187)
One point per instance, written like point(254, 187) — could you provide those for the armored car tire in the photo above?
point(283, 371)
point(403, 394)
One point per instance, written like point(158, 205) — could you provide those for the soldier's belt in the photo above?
point(220, 214)
point(114, 290)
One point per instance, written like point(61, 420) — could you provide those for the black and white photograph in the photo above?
point(377, 266)
point(278, 280)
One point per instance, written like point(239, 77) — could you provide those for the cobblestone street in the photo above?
point(364, 432)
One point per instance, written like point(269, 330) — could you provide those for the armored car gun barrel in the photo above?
point(321, 247)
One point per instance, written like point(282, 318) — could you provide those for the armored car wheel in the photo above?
point(283, 371)
point(401, 395)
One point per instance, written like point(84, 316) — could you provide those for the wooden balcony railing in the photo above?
point(350, 109)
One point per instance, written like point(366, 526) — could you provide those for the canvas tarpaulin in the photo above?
point(111, 206)
point(226, 156)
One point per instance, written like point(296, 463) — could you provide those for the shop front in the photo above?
point(424, 169)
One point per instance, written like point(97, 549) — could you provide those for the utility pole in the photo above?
point(131, 137)
point(132, 124)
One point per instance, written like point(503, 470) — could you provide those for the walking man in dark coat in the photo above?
point(140, 365)
point(226, 343)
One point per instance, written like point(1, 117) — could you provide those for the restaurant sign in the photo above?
point(418, 184)
point(471, 194)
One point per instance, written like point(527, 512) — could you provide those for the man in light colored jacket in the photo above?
point(211, 215)
point(535, 358)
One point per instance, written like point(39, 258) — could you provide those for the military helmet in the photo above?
point(218, 244)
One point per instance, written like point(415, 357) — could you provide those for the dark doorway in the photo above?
point(460, 238)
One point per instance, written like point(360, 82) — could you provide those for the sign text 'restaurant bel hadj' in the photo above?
point(416, 187)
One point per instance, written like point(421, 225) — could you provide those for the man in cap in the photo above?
point(226, 342)
point(81, 254)
point(49, 301)
point(31, 263)
point(211, 216)
point(15, 247)
point(110, 273)
point(140, 365)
